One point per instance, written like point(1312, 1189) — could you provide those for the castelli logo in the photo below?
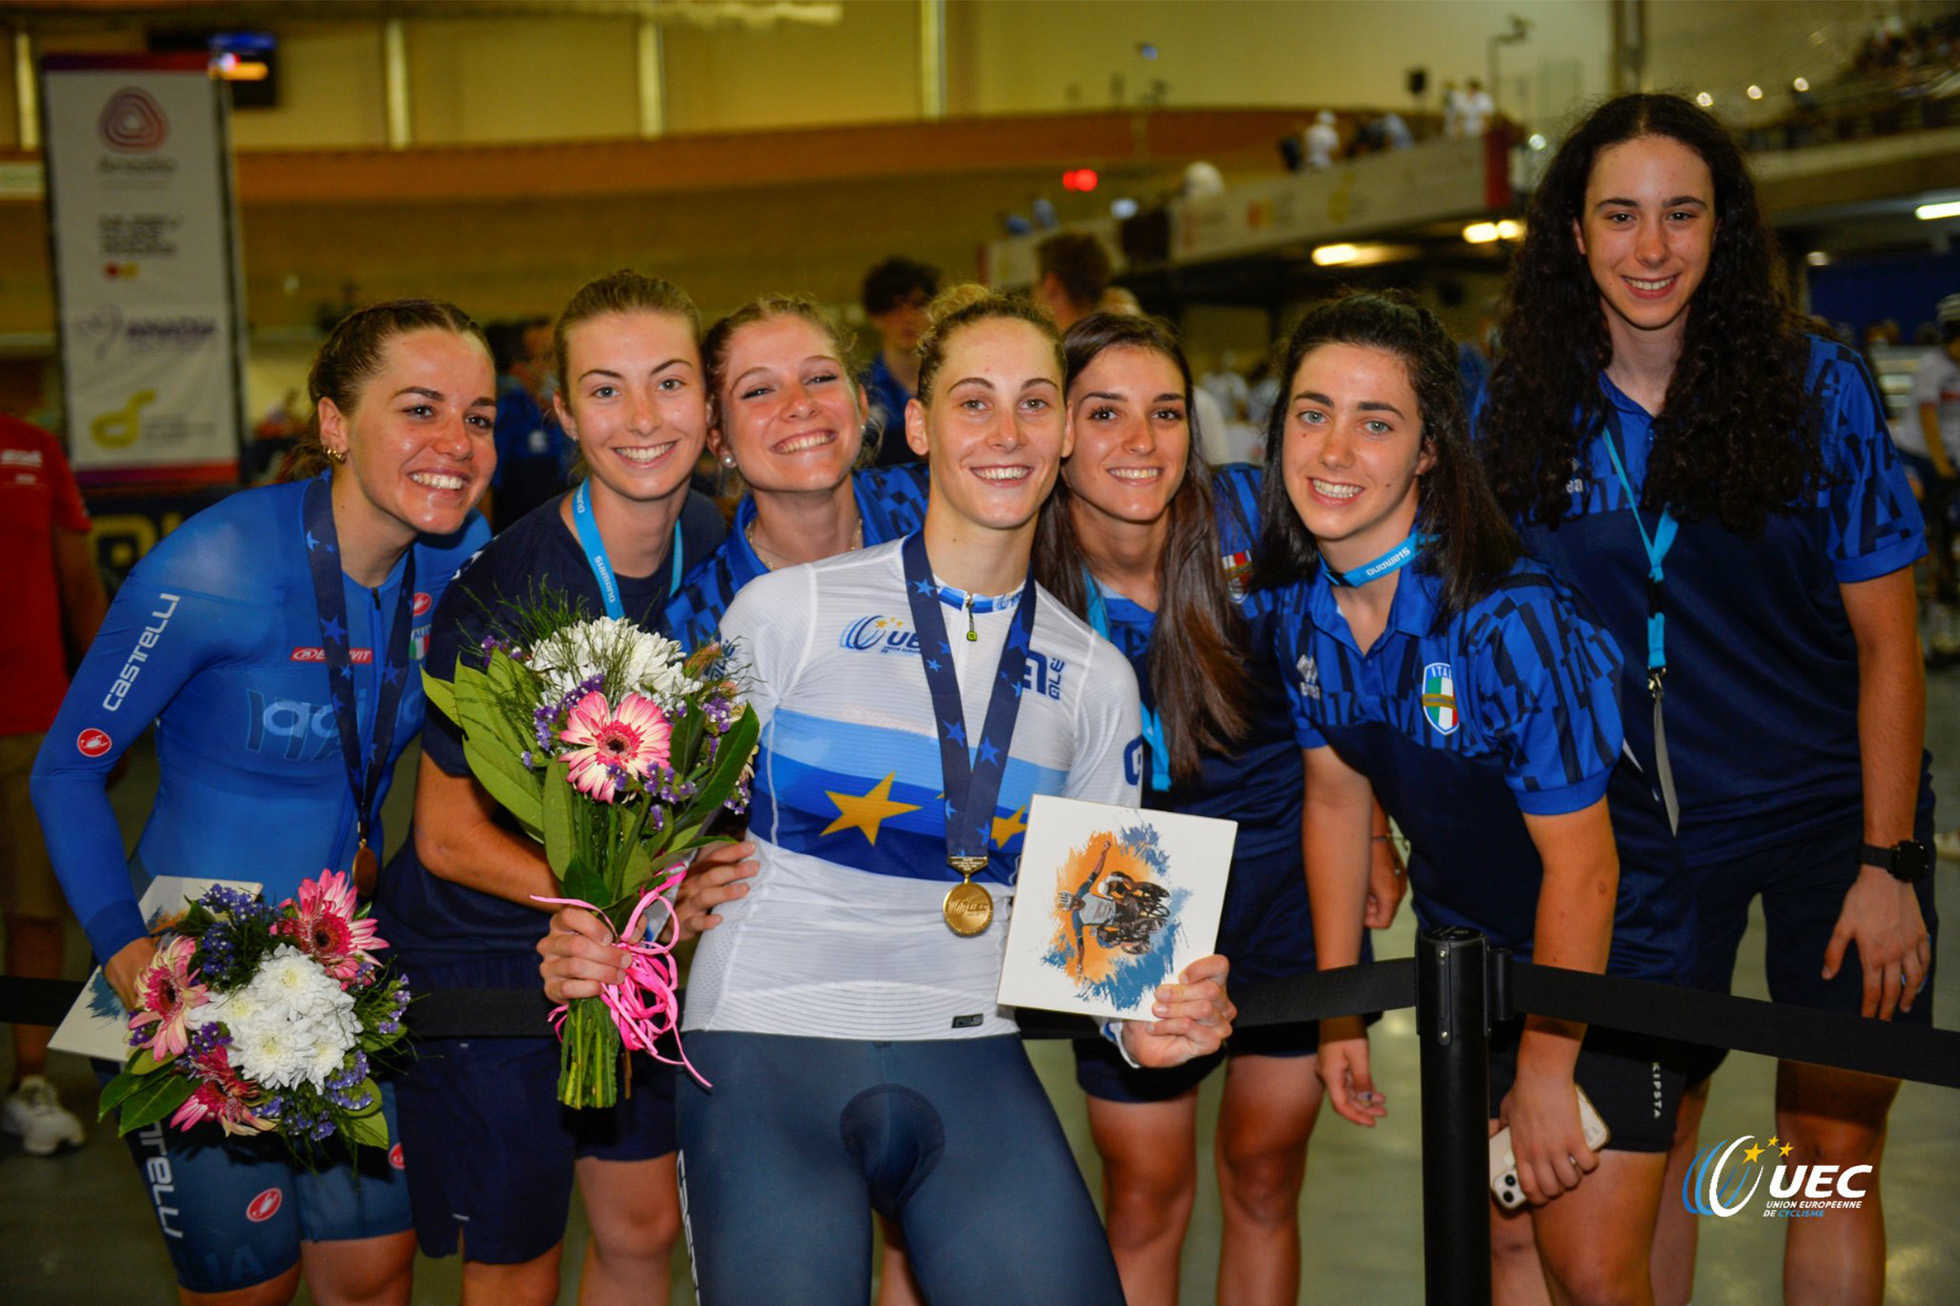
point(93, 742)
point(395, 1156)
point(132, 122)
point(264, 1206)
point(422, 604)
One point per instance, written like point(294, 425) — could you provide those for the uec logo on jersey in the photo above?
point(886, 634)
point(1439, 697)
point(1710, 1188)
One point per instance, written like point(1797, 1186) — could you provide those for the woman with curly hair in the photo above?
point(1722, 489)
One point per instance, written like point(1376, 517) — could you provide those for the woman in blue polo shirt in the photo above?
point(1458, 682)
point(1678, 448)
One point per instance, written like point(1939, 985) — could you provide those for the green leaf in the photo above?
point(146, 1060)
point(507, 781)
point(370, 1130)
point(684, 745)
point(736, 746)
point(116, 1090)
point(559, 819)
point(159, 1096)
point(439, 693)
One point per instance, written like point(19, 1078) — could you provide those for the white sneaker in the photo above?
point(34, 1111)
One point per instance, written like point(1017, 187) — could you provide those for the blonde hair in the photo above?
point(958, 307)
point(624, 291)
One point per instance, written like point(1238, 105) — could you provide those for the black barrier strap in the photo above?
point(1825, 1038)
point(1928, 1056)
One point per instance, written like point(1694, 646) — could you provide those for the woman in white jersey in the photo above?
point(848, 1029)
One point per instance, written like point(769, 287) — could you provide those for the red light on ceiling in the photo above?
point(1082, 179)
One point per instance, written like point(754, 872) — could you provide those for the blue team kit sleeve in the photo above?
point(1875, 525)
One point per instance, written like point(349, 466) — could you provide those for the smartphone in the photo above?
point(1504, 1167)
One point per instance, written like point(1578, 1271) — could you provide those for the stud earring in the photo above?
point(338, 455)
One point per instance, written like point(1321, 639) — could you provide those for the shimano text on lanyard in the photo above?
point(1153, 723)
point(1387, 565)
point(595, 552)
point(1655, 546)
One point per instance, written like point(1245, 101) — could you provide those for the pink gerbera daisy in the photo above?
point(169, 992)
point(613, 745)
point(222, 1095)
point(325, 929)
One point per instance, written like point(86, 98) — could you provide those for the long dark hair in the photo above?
point(1197, 673)
point(1473, 543)
point(1737, 436)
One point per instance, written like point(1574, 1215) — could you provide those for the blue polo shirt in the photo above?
point(1762, 682)
point(1508, 708)
point(891, 503)
point(1260, 784)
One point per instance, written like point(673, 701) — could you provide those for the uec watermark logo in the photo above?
point(1724, 1177)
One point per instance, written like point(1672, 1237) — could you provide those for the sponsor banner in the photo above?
point(141, 214)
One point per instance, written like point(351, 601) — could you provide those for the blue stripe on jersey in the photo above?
point(891, 503)
point(870, 798)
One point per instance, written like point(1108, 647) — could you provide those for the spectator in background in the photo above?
point(530, 447)
point(53, 590)
point(1478, 109)
point(1452, 110)
point(896, 293)
point(1323, 139)
point(1929, 442)
point(1073, 272)
point(1396, 132)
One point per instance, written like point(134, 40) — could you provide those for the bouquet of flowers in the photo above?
point(615, 752)
point(263, 1019)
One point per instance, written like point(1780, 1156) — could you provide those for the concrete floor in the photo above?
point(75, 1230)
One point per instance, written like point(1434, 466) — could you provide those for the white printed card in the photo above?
point(1110, 903)
point(98, 1024)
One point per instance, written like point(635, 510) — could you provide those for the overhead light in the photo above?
point(1480, 233)
point(1328, 256)
point(1817, 258)
point(1801, 84)
point(1510, 229)
point(1933, 212)
point(1755, 92)
point(1123, 209)
point(1537, 141)
point(1705, 100)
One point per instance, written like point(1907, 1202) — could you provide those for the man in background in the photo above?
point(530, 448)
point(55, 604)
point(896, 293)
point(1073, 270)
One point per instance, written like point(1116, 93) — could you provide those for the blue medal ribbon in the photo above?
point(364, 769)
point(972, 781)
point(595, 552)
point(1388, 564)
point(1153, 724)
point(1655, 546)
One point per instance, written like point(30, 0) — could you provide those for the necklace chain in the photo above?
point(773, 560)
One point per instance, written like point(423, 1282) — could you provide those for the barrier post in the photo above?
point(1452, 1025)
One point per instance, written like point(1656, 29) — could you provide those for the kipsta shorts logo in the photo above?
point(1724, 1177)
point(132, 122)
point(264, 1206)
point(1439, 696)
point(93, 743)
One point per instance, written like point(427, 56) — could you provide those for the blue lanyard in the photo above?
point(1388, 564)
point(364, 770)
point(1153, 724)
point(595, 552)
point(972, 782)
point(1656, 547)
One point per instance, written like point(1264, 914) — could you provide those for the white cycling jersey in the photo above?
point(841, 933)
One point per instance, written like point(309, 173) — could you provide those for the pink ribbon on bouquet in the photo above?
point(646, 1004)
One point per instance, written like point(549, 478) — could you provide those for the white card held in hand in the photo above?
point(98, 1024)
point(1111, 902)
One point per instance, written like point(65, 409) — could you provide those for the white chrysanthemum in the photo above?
point(631, 659)
point(292, 1023)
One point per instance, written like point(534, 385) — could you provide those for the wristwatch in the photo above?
point(1906, 861)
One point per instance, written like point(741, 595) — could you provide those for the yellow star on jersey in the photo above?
point(1785, 1149)
point(1752, 1153)
point(1005, 830)
point(1774, 1140)
point(866, 811)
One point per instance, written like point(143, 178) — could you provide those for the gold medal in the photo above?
point(969, 909)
